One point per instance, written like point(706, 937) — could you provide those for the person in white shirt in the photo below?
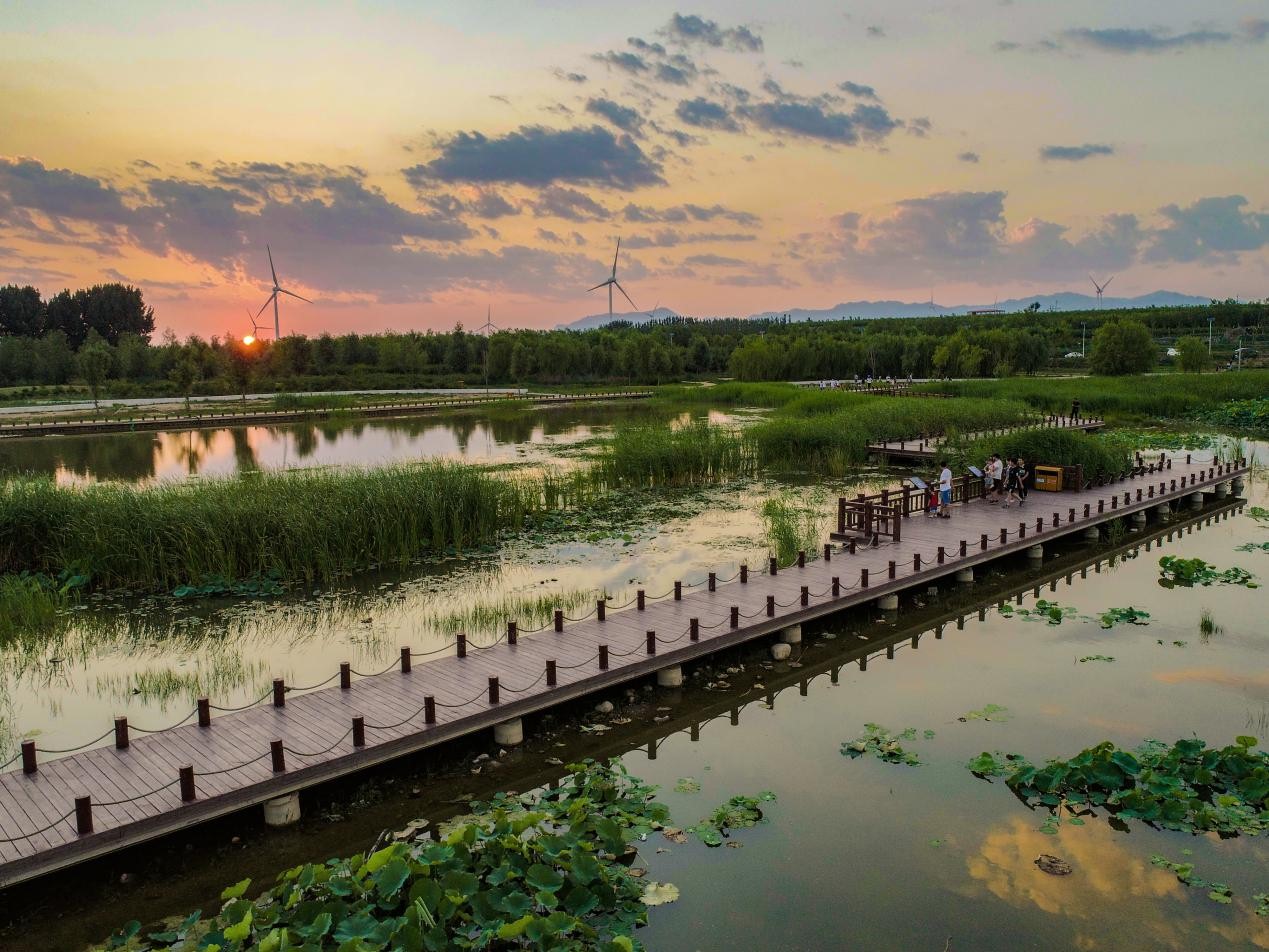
point(945, 491)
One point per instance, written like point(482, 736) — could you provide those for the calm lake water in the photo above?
point(539, 436)
point(855, 854)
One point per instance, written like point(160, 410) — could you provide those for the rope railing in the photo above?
point(839, 589)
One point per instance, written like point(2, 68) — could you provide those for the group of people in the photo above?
point(1005, 481)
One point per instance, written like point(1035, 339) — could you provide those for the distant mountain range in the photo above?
point(866, 310)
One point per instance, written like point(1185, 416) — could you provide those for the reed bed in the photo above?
point(642, 456)
point(1100, 454)
point(29, 605)
point(732, 394)
point(795, 523)
point(309, 525)
point(1161, 396)
point(490, 617)
point(810, 434)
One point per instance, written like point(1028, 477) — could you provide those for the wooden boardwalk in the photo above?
point(98, 800)
point(926, 449)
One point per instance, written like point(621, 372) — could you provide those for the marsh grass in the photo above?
point(829, 432)
point(794, 523)
point(490, 617)
point(690, 455)
point(221, 673)
point(1101, 454)
point(312, 525)
point(1154, 397)
point(30, 605)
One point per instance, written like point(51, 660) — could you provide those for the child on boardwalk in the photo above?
point(945, 491)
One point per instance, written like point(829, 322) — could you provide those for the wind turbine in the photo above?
point(1101, 287)
point(255, 329)
point(612, 283)
point(277, 289)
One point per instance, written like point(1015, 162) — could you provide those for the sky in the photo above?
point(417, 165)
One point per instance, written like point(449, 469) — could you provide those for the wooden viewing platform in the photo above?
point(926, 449)
point(181, 421)
point(59, 812)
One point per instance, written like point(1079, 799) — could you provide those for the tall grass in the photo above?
point(310, 525)
point(490, 617)
point(731, 393)
point(812, 434)
point(1100, 455)
point(794, 523)
point(700, 452)
point(28, 604)
point(1168, 396)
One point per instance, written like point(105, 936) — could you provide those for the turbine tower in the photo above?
point(273, 298)
point(1101, 287)
point(613, 283)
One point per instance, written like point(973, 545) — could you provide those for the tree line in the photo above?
point(102, 336)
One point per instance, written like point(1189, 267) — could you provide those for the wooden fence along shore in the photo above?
point(56, 812)
point(248, 417)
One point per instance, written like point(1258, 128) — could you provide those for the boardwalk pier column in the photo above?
point(791, 635)
point(671, 677)
point(283, 810)
point(509, 733)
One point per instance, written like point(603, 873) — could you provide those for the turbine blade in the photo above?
point(614, 258)
point(625, 295)
point(1107, 284)
point(267, 302)
point(273, 270)
point(294, 295)
point(600, 285)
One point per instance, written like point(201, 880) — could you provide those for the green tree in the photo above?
point(115, 309)
point(241, 358)
point(1122, 347)
point(184, 375)
point(1192, 356)
point(93, 363)
point(21, 311)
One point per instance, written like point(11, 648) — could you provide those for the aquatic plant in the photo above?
point(1252, 547)
point(1184, 786)
point(310, 525)
point(663, 456)
point(1177, 572)
point(794, 523)
point(1207, 625)
point(1131, 616)
point(1051, 612)
point(884, 745)
point(527, 610)
point(539, 871)
point(33, 603)
point(1217, 892)
point(988, 712)
point(1096, 657)
point(740, 812)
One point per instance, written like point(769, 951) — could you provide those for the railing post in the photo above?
point(771, 606)
point(513, 633)
point(279, 692)
point(863, 578)
point(652, 642)
point(806, 596)
point(713, 581)
point(345, 675)
point(204, 712)
point(460, 645)
point(603, 657)
point(29, 763)
point(678, 591)
point(559, 620)
point(891, 568)
point(83, 815)
point(359, 731)
point(694, 629)
point(773, 566)
point(837, 587)
point(801, 558)
point(429, 709)
point(187, 783)
point(601, 609)
point(828, 552)
point(121, 733)
point(550, 673)
point(405, 660)
point(744, 574)
point(493, 690)
point(735, 616)
point(640, 600)
point(278, 756)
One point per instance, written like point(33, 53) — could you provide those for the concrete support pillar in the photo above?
point(1222, 490)
point(1236, 485)
point(671, 677)
point(1036, 553)
point(1093, 534)
point(1196, 500)
point(781, 651)
point(792, 635)
point(1138, 519)
point(964, 576)
point(888, 603)
point(509, 733)
point(283, 810)
point(1163, 510)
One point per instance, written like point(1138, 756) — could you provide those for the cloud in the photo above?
point(550, 237)
point(1074, 153)
point(568, 203)
point(919, 127)
point(624, 61)
point(692, 29)
point(859, 91)
point(813, 119)
point(706, 114)
point(876, 32)
point(672, 237)
point(60, 194)
point(1214, 228)
point(689, 212)
point(716, 261)
point(567, 76)
point(971, 157)
point(623, 117)
point(965, 236)
point(1136, 40)
point(536, 155)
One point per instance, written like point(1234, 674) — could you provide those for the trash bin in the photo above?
point(1048, 479)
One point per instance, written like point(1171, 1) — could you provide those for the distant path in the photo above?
point(171, 401)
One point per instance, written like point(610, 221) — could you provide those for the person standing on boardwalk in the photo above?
point(989, 478)
point(1023, 476)
point(945, 491)
point(1010, 482)
point(998, 471)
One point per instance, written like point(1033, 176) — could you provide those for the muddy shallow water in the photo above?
point(854, 854)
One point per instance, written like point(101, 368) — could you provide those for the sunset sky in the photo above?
point(413, 163)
